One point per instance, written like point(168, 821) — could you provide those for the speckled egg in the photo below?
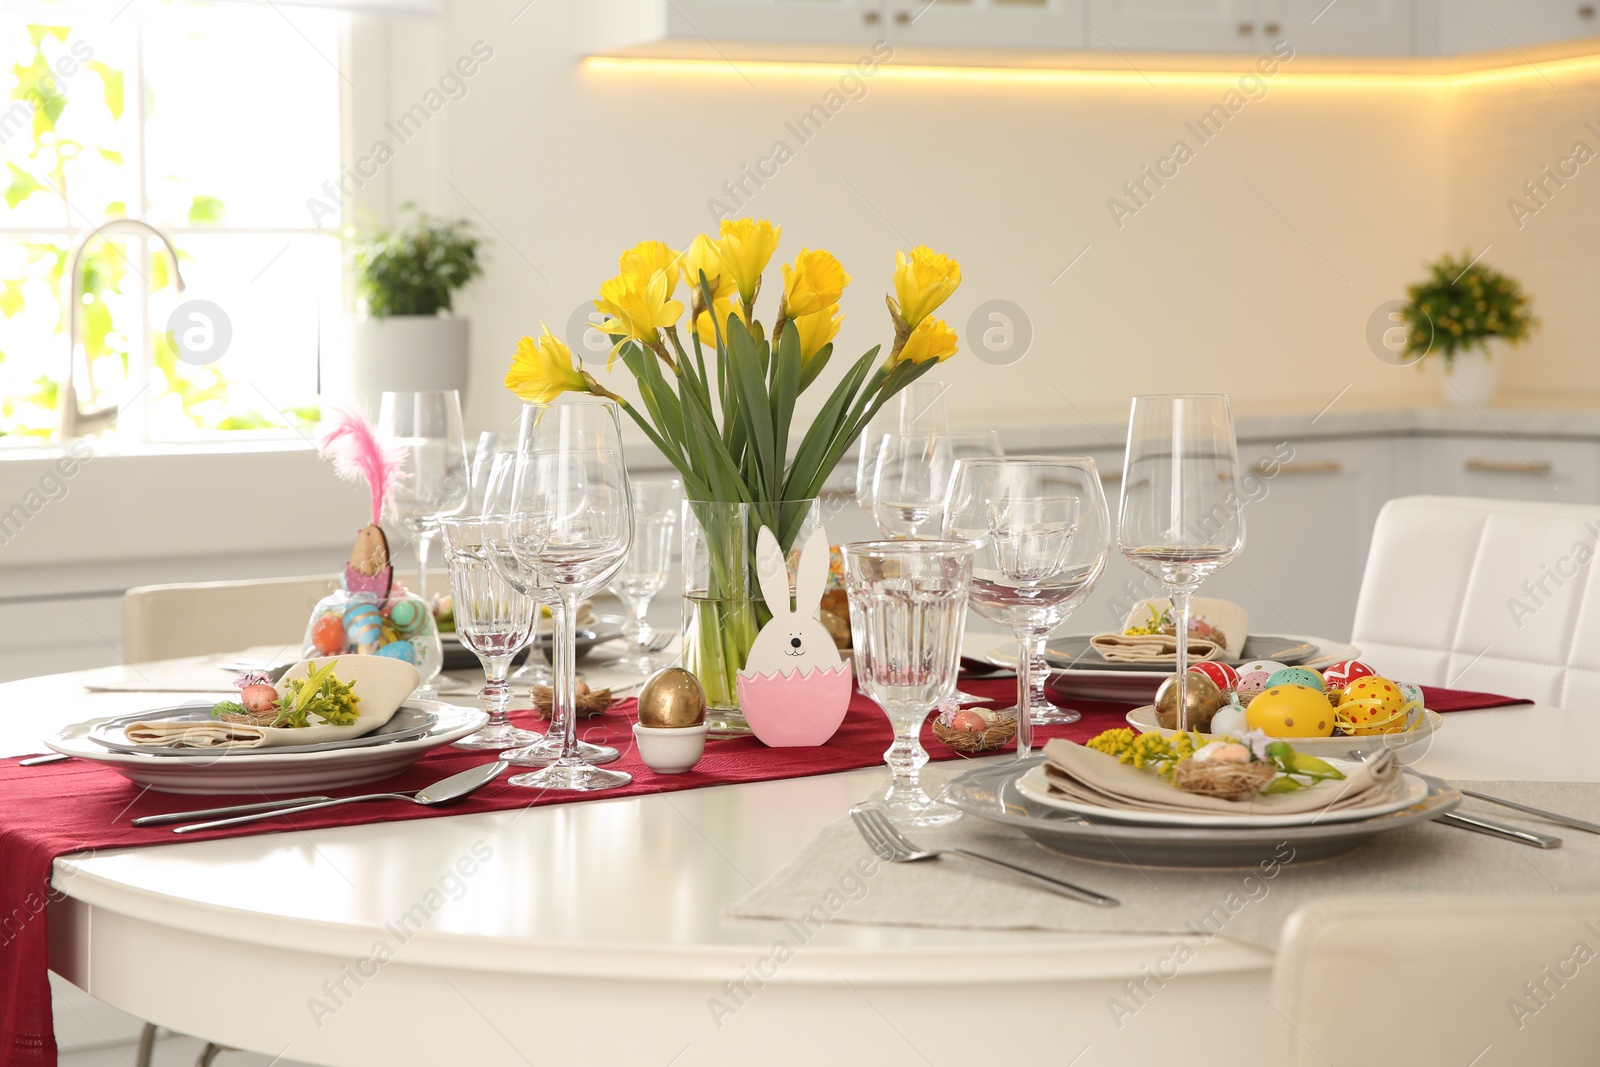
point(400, 650)
point(1223, 675)
point(1296, 676)
point(1291, 711)
point(1251, 683)
point(1268, 665)
point(1341, 674)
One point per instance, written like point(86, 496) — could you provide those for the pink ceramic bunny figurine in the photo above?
point(794, 688)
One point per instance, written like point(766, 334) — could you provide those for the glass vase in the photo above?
point(722, 605)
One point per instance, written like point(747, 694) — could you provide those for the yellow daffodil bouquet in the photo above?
point(721, 407)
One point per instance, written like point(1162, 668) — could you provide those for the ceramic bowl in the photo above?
point(670, 750)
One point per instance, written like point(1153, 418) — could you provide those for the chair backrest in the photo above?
point(169, 621)
point(1495, 595)
point(1438, 980)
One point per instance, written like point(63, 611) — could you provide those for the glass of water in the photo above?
point(656, 503)
point(908, 604)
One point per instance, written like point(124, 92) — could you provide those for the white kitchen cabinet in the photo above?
point(1356, 27)
point(1492, 25)
point(1001, 24)
point(1512, 468)
point(1344, 27)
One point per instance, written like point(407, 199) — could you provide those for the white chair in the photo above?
point(169, 621)
point(1438, 980)
point(1495, 595)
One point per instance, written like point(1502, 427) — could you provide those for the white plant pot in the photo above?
point(1471, 377)
point(414, 353)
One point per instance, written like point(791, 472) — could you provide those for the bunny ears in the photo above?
point(811, 578)
point(358, 455)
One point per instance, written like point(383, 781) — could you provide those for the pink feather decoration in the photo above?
point(358, 455)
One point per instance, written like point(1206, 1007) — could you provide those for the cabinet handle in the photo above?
point(1246, 29)
point(1499, 466)
point(1320, 466)
point(1272, 29)
point(902, 18)
point(1586, 11)
point(870, 17)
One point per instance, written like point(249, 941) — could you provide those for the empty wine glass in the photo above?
point(426, 428)
point(911, 477)
point(492, 619)
point(656, 503)
point(575, 516)
point(497, 501)
point(908, 603)
point(1040, 534)
point(1182, 513)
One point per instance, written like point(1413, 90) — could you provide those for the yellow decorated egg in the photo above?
point(1382, 690)
point(1291, 711)
point(1372, 706)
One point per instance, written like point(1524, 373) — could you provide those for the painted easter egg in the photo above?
point(1268, 665)
point(363, 624)
point(1291, 711)
point(1341, 674)
point(1296, 676)
point(400, 650)
point(1204, 700)
point(1411, 691)
point(1251, 683)
point(1230, 720)
point(1372, 705)
point(1223, 675)
point(407, 617)
point(327, 635)
point(969, 722)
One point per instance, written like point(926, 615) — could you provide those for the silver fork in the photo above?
point(660, 640)
point(890, 844)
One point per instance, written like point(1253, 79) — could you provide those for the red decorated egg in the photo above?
point(1222, 674)
point(327, 635)
point(1341, 674)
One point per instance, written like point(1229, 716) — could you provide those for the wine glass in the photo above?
point(513, 532)
point(1040, 534)
point(656, 503)
point(492, 619)
point(918, 408)
point(908, 603)
point(426, 428)
point(911, 477)
point(1182, 513)
point(575, 517)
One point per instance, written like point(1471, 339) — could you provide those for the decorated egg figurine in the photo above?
point(1220, 673)
point(1296, 676)
point(1291, 711)
point(363, 625)
point(1340, 675)
point(1204, 700)
point(1372, 705)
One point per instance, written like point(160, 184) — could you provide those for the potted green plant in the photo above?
point(405, 336)
point(1464, 314)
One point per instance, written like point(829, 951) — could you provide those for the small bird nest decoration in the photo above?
point(591, 702)
point(997, 734)
point(1223, 779)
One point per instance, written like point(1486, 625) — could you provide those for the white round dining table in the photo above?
point(593, 932)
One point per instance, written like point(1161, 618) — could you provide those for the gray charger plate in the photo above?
point(990, 792)
point(407, 724)
point(458, 657)
point(1073, 651)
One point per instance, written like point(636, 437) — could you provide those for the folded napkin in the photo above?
point(1091, 777)
point(213, 733)
point(1150, 648)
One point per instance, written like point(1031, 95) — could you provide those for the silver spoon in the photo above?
point(452, 788)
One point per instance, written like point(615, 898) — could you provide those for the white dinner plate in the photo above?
point(1036, 787)
point(1144, 720)
point(1136, 686)
point(305, 772)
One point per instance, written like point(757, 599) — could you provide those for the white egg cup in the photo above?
point(670, 750)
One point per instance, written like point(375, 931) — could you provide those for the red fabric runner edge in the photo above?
point(76, 806)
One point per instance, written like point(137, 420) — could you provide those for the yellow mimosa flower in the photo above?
point(816, 330)
point(721, 307)
point(637, 307)
point(922, 281)
point(647, 257)
point(746, 246)
point(702, 256)
point(932, 340)
point(542, 370)
point(813, 282)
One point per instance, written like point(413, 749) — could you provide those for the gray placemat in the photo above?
point(837, 878)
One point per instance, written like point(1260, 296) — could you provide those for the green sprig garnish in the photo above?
point(319, 694)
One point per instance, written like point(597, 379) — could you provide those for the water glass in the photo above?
point(908, 603)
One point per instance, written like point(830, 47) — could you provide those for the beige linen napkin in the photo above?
point(210, 734)
point(1150, 648)
point(1091, 777)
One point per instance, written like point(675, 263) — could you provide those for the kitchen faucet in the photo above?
point(72, 420)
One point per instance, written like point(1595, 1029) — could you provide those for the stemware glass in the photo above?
point(1181, 518)
point(575, 517)
point(908, 604)
point(492, 619)
point(911, 477)
point(918, 408)
point(1040, 534)
point(426, 428)
point(656, 503)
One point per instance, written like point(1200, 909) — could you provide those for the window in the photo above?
point(214, 122)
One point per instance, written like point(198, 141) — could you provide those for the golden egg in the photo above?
point(1203, 697)
point(671, 699)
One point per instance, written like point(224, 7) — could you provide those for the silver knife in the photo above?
point(1555, 817)
point(237, 809)
point(1498, 829)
